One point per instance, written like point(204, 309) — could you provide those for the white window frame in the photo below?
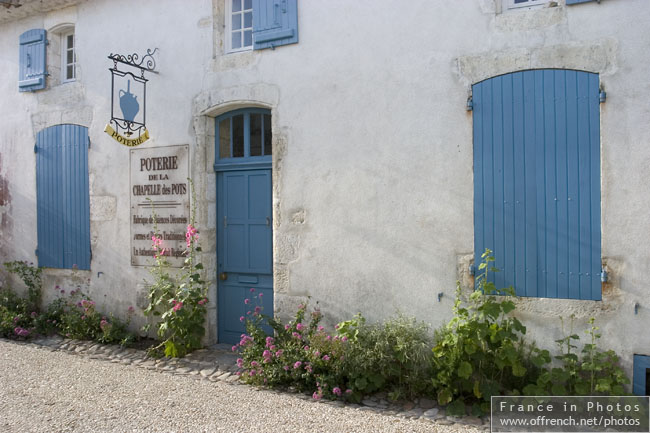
point(510, 4)
point(228, 34)
point(64, 56)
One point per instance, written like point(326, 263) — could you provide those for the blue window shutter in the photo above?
point(63, 208)
point(641, 364)
point(32, 62)
point(275, 23)
point(537, 181)
point(575, 2)
point(49, 209)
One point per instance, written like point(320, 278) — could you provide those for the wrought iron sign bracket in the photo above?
point(124, 124)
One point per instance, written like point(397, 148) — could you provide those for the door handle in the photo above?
point(223, 276)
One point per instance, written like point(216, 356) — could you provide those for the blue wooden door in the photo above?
point(245, 251)
point(537, 181)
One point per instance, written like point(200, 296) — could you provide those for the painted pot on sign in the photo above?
point(129, 103)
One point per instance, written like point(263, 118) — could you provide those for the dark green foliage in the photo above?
point(481, 351)
point(590, 372)
point(73, 316)
point(31, 276)
point(394, 356)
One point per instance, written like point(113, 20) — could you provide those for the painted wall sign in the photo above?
point(129, 98)
point(159, 186)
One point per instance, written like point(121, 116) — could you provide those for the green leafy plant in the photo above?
point(77, 317)
point(358, 360)
point(481, 351)
point(178, 300)
point(72, 314)
point(394, 356)
point(31, 276)
point(589, 372)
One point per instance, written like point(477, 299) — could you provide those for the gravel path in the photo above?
point(42, 390)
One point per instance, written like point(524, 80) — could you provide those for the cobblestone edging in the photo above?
point(218, 364)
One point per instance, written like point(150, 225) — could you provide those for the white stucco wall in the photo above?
point(373, 180)
point(184, 40)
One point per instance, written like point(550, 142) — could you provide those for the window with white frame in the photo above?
point(511, 4)
point(239, 25)
point(68, 57)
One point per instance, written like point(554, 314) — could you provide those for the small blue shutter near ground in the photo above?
point(640, 368)
point(32, 61)
point(275, 23)
point(63, 202)
point(537, 181)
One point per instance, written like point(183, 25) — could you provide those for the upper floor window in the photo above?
point(239, 25)
point(510, 4)
point(68, 57)
point(260, 24)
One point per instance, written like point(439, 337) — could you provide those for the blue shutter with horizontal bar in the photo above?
point(573, 2)
point(275, 23)
point(63, 204)
point(32, 61)
point(537, 181)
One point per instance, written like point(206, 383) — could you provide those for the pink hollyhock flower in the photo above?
point(247, 301)
point(252, 290)
point(258, 309)
point(316, 396)
point(203, 301)
point(344, 338)
point(326, 358)
point(348, 391)
point(191, 235)
point(296, 335)
point(279, 353)
point(286, 326)
point(266, 354)
point(260, 295)
point(336, 391)
point(286, 368)
point(321, 328)
point(299, 326)
point(241, 318)
point(177, 306)
point(254, 363)
point(297, 364)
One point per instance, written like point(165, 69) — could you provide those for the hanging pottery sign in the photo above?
point(160, 202)
point(129, 98)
